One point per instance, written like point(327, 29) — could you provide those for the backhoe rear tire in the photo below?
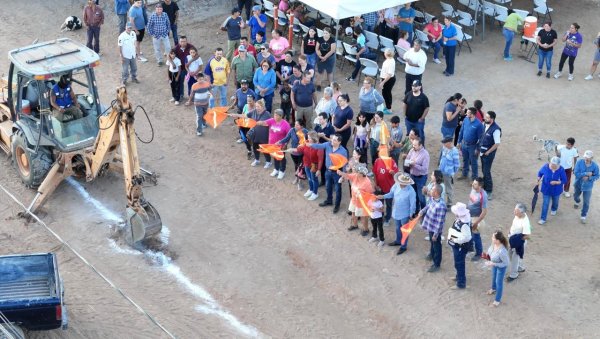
point(32, 168)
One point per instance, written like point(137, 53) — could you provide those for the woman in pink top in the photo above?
point(434, 33)
point(278, 129)
point(278, 45)
point(284, 5)
point(402, 42)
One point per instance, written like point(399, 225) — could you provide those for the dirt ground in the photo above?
point(249, 257)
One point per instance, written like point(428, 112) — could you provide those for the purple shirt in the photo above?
point(572, 50)
point(420, 162)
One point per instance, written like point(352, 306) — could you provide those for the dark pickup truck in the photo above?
point(31, 292)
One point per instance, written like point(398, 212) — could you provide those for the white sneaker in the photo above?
point(427, 238)
point(239, 141)
point(570, 77)
point(557, 75)
point(274, 173)
point(567, 195)
point(280, 175)
point(589, 77)
point(541, 222)
point(583, 221)
point(437, 61)
point(308, 194)
point(313, 197)
point(254, 163)
point(552, 212)
point(380, 244)
point(268, 164)
point(176, 103)
point(373, 239)
point(172, 100)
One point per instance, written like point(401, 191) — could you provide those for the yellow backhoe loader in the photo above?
point(52, 135)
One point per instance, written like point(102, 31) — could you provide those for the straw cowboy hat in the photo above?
point(460, 210)
point(403, 179)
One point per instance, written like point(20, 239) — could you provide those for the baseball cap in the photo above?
point(416, 83)
point(242, 48)
point(128, 25)
point(256, 8)
point(588, 154)
point(348, 30)
point(243, 81)
point(446, 139)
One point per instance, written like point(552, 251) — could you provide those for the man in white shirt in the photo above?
point(520, 226)
point(568, 156)
point(126, 42)
point(415, 58)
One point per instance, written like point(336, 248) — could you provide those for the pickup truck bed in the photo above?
point(31, 293)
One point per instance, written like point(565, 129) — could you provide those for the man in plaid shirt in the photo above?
point(370, 20)
point(434, 218)
point(159, 27)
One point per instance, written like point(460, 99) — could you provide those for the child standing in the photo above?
point(361, 130)
point(174, 65)
point(377, 221)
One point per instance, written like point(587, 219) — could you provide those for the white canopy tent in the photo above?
point(341, 9)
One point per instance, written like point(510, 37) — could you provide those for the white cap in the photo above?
point(588, 154)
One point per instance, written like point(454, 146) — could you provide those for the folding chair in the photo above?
point(269, 9)
point(424, 39)
point(385, 43)
point(489, 9)
point(370, 69)
point(501, 14)
point(466, 20)
point(522, 13)
point(400, 54)
point(419, 14)
point(462, 37)
point(541, 7)
point(448, 10)
point(428, 17)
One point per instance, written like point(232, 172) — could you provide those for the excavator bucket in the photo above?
point(143, 224)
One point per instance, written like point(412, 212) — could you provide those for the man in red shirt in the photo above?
point(249, 47)
point(384, 170)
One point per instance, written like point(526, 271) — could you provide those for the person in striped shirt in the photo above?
point(434, 218)
point(200, 95)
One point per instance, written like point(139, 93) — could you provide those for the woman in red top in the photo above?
point(479, 106)
point(312, 160)
point(434, 33)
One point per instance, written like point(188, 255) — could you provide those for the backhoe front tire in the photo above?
point(32, 168)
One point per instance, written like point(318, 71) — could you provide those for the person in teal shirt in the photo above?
point(406, 17)
point(510, 28)
point(450, 39)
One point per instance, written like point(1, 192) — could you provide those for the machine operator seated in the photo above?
point(64, 101)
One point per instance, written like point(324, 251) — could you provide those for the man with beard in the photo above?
point(416, 108)
point(488, 145)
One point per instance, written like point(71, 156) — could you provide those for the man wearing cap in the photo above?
point(416, 59)
point(434, 218)
point(470, 133)
point(257, 23)
point(488, 144)
point(332, 179)
point(586, 173)
point(93, 18)
point(158, 28)
point(459, 238)
point(416, 108)
point(418, 162)
point(552, 177)
point(243, 67)
point(449, 163)
point(250, 49)
point(126, 44)
point(233, 25)
point(303, 100)
point(121, 9)
point(404, 205)
point(172, 9)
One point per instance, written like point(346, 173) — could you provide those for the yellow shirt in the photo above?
point(220, 71)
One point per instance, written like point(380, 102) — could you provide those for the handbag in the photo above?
point(300, 174)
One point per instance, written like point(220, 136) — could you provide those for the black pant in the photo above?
point(257, 153)
point(346, 134)
point(435, 249)
point(387, 92)
point(391, 33)
point(409, 80)
point(280, 164)
point(563, 58)
point(248, 4)
point(287, 110)
point(378, 227)
point(174, 85)
point(297, 159)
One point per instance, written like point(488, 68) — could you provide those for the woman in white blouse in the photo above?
point(388, 78)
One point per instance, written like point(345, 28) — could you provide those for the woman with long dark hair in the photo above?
point(342, 119)
point(498, 260)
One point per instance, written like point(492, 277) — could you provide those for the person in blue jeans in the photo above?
point(546, 39)
point(459, 238)
point(450, 40)
point(586, 173)
point(511, 25)
point(498, 261)
point(477, 205)
point(332, 179)
point(468, 143)
point(552, 177)
point(404, 206)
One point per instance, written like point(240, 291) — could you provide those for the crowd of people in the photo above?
point(316, 123)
